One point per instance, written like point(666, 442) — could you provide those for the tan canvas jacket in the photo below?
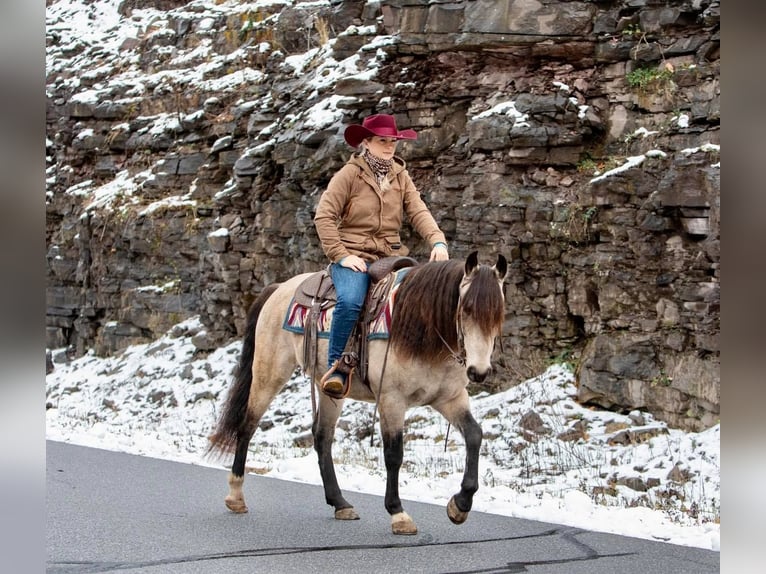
point(354, 217)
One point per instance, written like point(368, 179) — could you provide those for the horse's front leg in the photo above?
point(457, 411)
point(392, 429)
point(460, 504)
point(323, 430)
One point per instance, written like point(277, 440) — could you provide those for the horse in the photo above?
point(445, 320)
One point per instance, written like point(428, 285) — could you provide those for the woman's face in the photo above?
point(382, 147)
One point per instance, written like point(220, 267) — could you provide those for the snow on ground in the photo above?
point(544, 457)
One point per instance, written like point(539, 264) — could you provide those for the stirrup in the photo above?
point(336, 382)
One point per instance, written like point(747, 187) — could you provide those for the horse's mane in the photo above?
point(424, 316)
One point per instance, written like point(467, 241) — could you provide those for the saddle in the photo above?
point(318, 287)
point(317, 293)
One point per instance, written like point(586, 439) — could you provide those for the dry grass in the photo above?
point(323, 29)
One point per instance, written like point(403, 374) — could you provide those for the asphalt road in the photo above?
point(114, 512)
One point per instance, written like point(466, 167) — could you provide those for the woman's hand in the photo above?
point(354, 262)
point(439, 252)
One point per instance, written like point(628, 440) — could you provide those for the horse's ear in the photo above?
point(471, 262)
point(501, 267)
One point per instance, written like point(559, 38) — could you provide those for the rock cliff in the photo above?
point(188, 143)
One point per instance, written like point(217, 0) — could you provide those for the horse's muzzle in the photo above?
point(476, 376)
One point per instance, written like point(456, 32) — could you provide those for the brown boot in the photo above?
point(336, 382)
point(332, 384)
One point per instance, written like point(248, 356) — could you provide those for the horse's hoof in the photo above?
point(346, 514)
point(236, 505)
point(456, 515)
point(401, 523)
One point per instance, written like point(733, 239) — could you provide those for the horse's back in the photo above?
point(274, 309)
point(272, 341)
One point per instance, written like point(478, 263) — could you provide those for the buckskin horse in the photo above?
point(445, 317)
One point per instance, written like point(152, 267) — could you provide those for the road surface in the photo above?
point(115, 512)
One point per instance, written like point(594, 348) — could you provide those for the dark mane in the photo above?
point(425, 311)
point(425, 307)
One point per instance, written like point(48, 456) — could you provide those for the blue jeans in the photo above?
point(351, 290)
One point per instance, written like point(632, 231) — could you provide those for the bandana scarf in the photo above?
point(379, 167)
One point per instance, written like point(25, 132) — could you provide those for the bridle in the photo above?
point(457, 354)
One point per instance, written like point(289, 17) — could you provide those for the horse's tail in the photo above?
point(235, 417)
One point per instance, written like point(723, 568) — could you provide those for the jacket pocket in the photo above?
point(393, 242)
point(394, 246)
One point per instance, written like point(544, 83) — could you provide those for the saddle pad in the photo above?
point(295, 319)
point(380, 326)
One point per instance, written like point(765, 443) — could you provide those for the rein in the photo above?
point(458, 356)
point(377, 397)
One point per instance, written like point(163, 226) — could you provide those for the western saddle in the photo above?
point(317, 294)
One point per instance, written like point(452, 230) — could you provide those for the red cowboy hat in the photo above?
point(381, 125)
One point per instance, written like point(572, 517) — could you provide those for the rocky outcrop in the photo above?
point(186, 154)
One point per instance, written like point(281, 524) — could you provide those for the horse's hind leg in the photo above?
point(235, 500)
point(323, 430)
point(262, 392)
point(262, 371)
point(269, 375)
point(459, 414)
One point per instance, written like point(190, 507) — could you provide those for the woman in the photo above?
point(358, 220)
